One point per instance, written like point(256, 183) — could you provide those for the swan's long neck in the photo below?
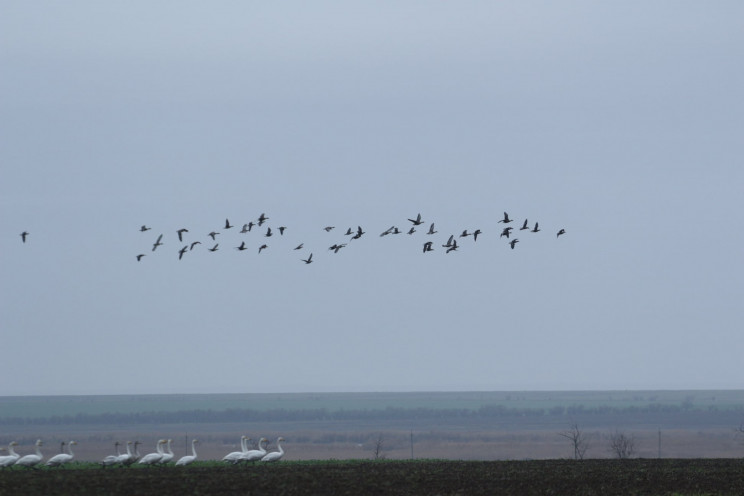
point(69, 449)
point(260, 442)
point(160, 448)
point(136, 450)
point(279, 447)
point(243, 444)
point(170, 452)
point(11, 451)
point(118, 451)
point(129, 449)
point(38, 450)
point(193, 448)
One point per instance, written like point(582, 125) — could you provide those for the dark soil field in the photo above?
point(425, 477)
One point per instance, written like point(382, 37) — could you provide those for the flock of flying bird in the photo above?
point(161, 456)
point(352, 234)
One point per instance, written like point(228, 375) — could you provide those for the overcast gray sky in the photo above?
point(621, 122)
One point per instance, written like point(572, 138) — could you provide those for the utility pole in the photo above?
point(411, 444)
point(659, 442)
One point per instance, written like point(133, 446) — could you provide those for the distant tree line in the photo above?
point(322, 414)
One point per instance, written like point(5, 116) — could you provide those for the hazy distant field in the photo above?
point(472, 425)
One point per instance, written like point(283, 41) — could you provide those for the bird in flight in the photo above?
point(262, 247)
point(506, 219)
point(427, 246)
point(182, 251)
point(157, 243)
point(449, 241)
point(506, 232)
point(417, 221)
point(524, 226)
point(212, 235)
point(23, 236)
point(144, 228)
point(241, 247)
point(227, 224)
point(358, 233)
point(247, 227)
point(535, 229)
point(431, 229)
point(299, 247)
point(180, 233)
point(348, 232)
point(281, 230)
point(308, 259)
point(337, 247)
point(139, 257)
point(513, 242)
point(475, 234)
point(328, 228)
point(453, 247)
point(268, 232)
point(214, 248)
point(385, 233)
point(262, 219)
point(194, 244)
point(562, 231)
point(411, 230)
point(465, 234)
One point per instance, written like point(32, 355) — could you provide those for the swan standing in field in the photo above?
point(234, 457)
point(11, 457)
point(62, 458)
point(257, 454)
point(185, 460)
point(275, 456)
point(112, 459)
point(33, 459)
point(134, 456)
point(153, 458)
point(167, 457)
point(124, 459)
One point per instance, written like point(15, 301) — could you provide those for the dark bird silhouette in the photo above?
point(328, 228)
point(449, 241)
point(358, 233)
point(431, 229)
point(475, 234)
point(262, 247)
point(180, 233)
point(337, 247)
point(513, 242)
point(411, 230)
point(262, 219)
point(506, 232)
point(453, 247)
point(417, 221)
point(247, 227)
point(506, 219)
point(182, 251)
point(194, 244)
point(268, 232)
point(562, 231)
point(308, 259)
point(427, 246)
point(535, 229)
point(227, 224)
point(465, 234)
point(241, 247)
point(23, 236)
point(388, 231)
point(299, 247)
point(139, 257)
point(281, 230)
point(144, 228)
point(212, 235)
point(214, 248)
point(524, 226)
point(157, 243)
point(348, 232)
point(395, 231)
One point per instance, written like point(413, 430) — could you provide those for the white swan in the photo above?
point(62, 458)
point(167, 457)
point(124, 459)
point(152, 458)
point(185, 460)
point(112, 459)
point(234, 457)
point(135, 456)
point(11, 457)
point(274, 455)
point(33, 459)
point(255, 455)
